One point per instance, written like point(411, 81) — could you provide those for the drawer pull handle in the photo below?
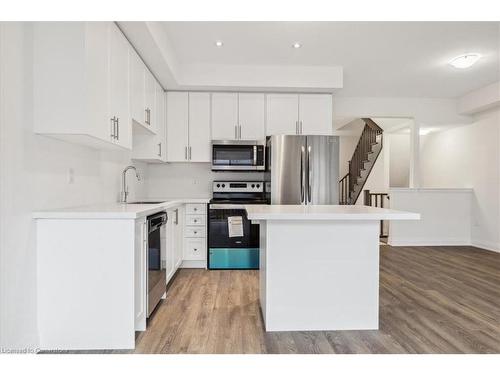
point(195, 232)
point(195, 209)
point(195, 249)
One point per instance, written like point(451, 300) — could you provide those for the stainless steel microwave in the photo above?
point(238, 155)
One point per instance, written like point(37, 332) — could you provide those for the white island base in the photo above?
point(318, 271)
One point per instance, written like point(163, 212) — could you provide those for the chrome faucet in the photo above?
point(124, 192)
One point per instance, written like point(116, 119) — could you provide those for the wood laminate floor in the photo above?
point(432, 300)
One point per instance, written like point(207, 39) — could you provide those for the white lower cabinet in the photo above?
point(195, 235)
point(140, 274)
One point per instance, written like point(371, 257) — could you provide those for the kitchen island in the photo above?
point(319, 265)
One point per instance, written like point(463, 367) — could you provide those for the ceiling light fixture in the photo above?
point(296, 45)
point(465, 61)
point(218, 43)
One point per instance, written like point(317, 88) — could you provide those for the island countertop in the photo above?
point(325, 212)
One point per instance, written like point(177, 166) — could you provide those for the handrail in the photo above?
point(360, 156)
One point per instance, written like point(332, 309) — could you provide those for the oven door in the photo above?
point(225, 252)
point(237, 156)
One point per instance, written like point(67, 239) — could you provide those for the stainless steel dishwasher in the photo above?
point(157, 285)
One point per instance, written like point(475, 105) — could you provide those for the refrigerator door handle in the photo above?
point(309, 174)
point(302, 175)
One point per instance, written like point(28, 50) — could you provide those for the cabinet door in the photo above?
point(199, 127)
point(251, 116)
point(137, 88)
point(224, 116)
point(150, 89)
point(140, 266)
point(97, 79)
point(315, 114)
point(170, 258)
point(119, 86)
point(282, 114)
point(160, 147)
point(177, 126)
point(178, 236)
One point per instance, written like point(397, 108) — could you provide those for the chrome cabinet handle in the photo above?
point(300, 126)
point(296, 127)
point(310, 172)
point(113, 130)
point(185, 153)
point(117, 128)
point(235, 131)
point(176, 216)
point(239, 131)
point(302, 175)
point(189, 152)
point(159, 149)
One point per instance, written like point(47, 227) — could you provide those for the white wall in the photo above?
point(468, 157)
point(445, 217)
point(34, 175)
point(399, 159)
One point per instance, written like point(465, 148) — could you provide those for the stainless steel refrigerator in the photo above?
point(303, 169)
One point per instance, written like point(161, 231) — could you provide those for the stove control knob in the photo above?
point(218, 185)
point(258, 186)
point(223, 185)
point(253, 185)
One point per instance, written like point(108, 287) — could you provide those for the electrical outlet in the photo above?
point(71, 176)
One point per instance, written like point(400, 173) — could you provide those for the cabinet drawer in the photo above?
point(195, 249)
point(195, 209)
point(195, 232)
point(196, 220)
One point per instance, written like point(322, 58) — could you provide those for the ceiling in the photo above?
point(380, 59)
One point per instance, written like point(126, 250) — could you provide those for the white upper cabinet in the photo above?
point(238, 116)
point(119, 87)
point(149, 99)
point(199, 127)
point(177, 126)
point(188, 126)
point(225, 116)
point(153, 147)
point(75, 96)
point(251, 116)
point(142, 94)
point(315, 114)
point(307, 114)
point(137, 89)
point(282, 114)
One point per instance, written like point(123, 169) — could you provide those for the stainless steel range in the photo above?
point(233, 241)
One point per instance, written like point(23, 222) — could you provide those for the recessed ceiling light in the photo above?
point(465, 61)
point(296, 45)
point(218, 43)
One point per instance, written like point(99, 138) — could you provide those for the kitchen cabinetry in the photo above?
point(119, 88)
point(140, 270)
point(238, 116)
point(152, 147)
point(195, 241)
point(308, 114)
point(79, 76)
point(142, 94)
point(188, 127)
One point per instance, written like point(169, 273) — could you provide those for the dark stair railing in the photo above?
point(351, 185)
point(377, 200)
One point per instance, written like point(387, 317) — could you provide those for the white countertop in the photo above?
point(327, 212)
point(115, 210)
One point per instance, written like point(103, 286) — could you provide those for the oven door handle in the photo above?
point(226, 207)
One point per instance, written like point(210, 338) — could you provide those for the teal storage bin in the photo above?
point(232, 258)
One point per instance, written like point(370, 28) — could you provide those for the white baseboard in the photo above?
point(486, 245)
point(194, 264)
point(429, 242)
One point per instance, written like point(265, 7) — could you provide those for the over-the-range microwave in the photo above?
point(238, 155)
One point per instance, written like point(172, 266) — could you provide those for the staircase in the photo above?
point(363, 159)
